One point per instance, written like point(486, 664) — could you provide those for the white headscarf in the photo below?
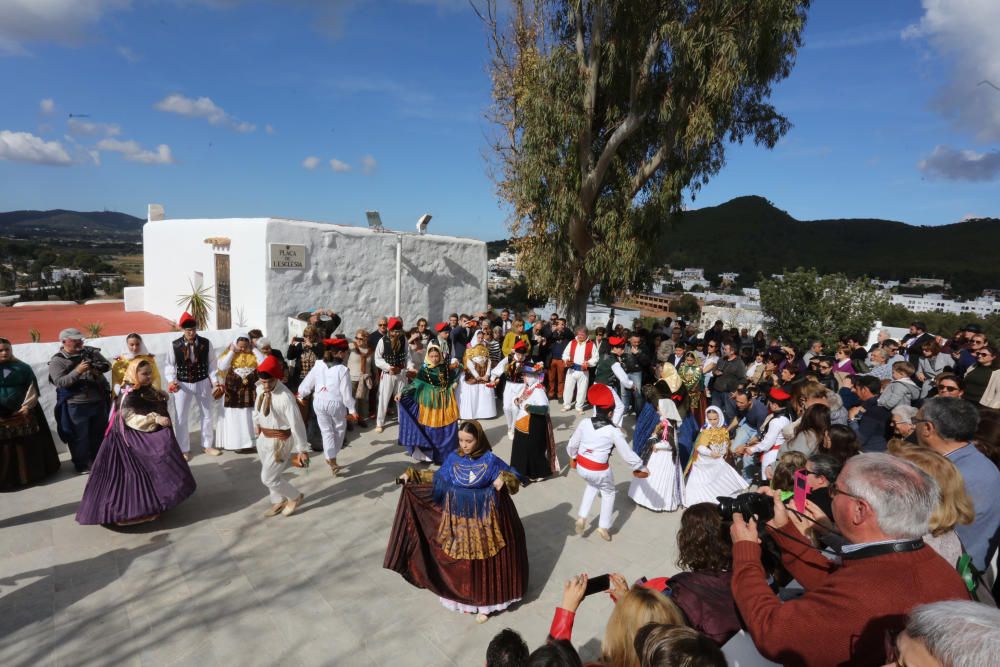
point(722, 417)
point(128, 354)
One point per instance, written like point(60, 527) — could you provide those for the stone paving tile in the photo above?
point(213, 583)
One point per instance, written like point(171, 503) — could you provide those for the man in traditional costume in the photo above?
point(610, 372)
point(281, 437)
point(444, 338)
point(238, 376)
point(579, 356)
point(511, 368)
point(392, 357)
point(589, 450)
point(330, 383)
point(189, 371)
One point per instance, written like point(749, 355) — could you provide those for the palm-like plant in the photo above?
point(95, 329)
point(36, 335)
point(197, 302)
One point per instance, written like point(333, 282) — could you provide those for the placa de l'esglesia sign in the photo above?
point(284, 256)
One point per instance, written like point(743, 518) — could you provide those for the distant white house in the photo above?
point(928, 303)
point(258, 271)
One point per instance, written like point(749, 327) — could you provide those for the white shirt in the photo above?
point(580, 354)
point(619, 372)
point(170, 369)
point(596, 444)
point(284, 415)
point(501, 367)
point(380, 355)
point(332, 384)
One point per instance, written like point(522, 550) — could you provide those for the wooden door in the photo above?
point(223, 307)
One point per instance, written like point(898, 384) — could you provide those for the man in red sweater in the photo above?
point(850, 610)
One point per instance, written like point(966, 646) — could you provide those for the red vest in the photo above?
point(588, 350)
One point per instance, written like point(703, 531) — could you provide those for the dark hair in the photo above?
point(507, 649)
point(987, 437)
point(783, 477)
point(843, 442)
point(931, 346)
point(869, 382)
point(556, 653)
point(953, 418)
point(992, 349)
point(826, 466)
point(816, 418)
point(703, 542)
point(957, 379)
point(474, 428)
point(663, 645)
point(255, 333)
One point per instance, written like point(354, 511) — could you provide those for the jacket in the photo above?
point(899, 392)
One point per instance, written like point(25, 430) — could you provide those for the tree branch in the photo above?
point(648, 168)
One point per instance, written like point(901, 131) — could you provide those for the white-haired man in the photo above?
point(950, 634)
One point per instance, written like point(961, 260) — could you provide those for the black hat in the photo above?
point(972, 327)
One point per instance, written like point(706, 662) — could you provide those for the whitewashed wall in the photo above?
point(174, 250)
point(37, 356)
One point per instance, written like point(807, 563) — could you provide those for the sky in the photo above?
point(323, 109)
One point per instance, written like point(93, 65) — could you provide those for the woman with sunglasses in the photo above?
point(982, 382)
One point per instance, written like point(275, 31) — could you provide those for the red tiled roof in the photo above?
point(16, 323)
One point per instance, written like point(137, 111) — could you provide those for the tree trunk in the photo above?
point(576, 308)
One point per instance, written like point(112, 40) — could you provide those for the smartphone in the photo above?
point(801, 490)
point(598, 584)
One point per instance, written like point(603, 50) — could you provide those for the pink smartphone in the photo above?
point(801, 490)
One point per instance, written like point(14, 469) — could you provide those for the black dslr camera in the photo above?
point(755, 505)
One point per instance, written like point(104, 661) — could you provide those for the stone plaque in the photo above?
point(284, 256)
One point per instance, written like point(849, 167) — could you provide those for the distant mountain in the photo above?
point(59, 223)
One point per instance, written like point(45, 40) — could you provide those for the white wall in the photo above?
point(37, 356)
point(174, 250)
point(352, 271)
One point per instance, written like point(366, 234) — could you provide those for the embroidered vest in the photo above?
point(392, 358)
point(514, 372)
point(187, 370)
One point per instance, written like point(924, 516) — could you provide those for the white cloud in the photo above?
point(368, 164)
point(953, 164)
point(48, 105)
point(128, 54)
point(269, 129)
point(339, 166)
point(65, 22)
point(83, 128)
point(132, 151)
point(26, 147)
point(965, 31)
point(311, 162)
point(203, 107)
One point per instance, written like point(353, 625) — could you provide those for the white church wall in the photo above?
point(175, 251)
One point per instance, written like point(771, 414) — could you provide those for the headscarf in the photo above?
point(131, 377)
point(482, 442)
point(477, 348)
point(722, 417)
point(143, 351)
point(427, 353)
point(669, 375)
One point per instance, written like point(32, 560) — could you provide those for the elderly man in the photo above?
point(949, 634)
point(947, 425)
point(579, 356)
point(82, 397)
point(882, 506)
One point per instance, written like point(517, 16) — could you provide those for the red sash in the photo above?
point(590, 465)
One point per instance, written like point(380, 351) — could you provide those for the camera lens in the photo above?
point(755, 505)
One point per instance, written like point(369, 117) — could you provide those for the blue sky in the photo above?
point(321, 110)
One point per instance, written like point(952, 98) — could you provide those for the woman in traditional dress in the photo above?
point(27, 451)
point(663, 490)
point(139, 471)
point(238, 372)
point(134, 349)
point(533, 453)
point(692, 409)
point(476, 399)
point(428, 411)
point(708, 474)
point(457, 532)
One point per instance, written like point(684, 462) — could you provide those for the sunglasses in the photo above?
point(980, 355)
point(382, 324)
point(947, 388)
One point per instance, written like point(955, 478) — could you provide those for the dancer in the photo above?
point(475, 390)
point(708, 474)
point(392, 357)
point(27, 451)
point(773, 430)
point(135, 348)
point(238, 375)
point(330, 380)
point(533, 453)
point(428, 411)
point(188, 372)
point(281, 437)
point(579, 356)
point(139, 472)
point(511, 368)
point(589, 450)
point(663, 490)
point(609, 371)
point(460, 536)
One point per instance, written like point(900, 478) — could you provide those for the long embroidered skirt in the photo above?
point(27, 452)
point(426, 430)
point(533, 454)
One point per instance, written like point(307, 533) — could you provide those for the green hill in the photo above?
point(71, 225)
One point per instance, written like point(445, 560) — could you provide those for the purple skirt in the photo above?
point(135, 474)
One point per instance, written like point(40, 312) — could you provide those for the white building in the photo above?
point(259, 271)
point(917, 281)
point(57, 275)
point(927, 303)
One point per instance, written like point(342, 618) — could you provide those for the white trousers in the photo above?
point(184, 400)
point(598, 481)
point(332, 418)
point(511, 391)
point(271, 471)
point(575, 381)
point(388, 387)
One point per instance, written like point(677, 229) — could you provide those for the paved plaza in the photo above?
point(214, 583)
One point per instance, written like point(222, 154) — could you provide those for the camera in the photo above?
point(755, 505)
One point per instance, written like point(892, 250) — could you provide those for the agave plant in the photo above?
point(197, 302)
point(95, 329)
point(36, 335)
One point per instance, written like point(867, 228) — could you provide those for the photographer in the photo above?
point(882, 506)
point(82, 396)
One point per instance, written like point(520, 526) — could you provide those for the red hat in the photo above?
point(441, 326)
point(599, 395)
point(616, 341)
point(187, 321)
point(395, 323)
point(272, 367)
point(335, 343)
point(778, 394)
point(520, 346)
